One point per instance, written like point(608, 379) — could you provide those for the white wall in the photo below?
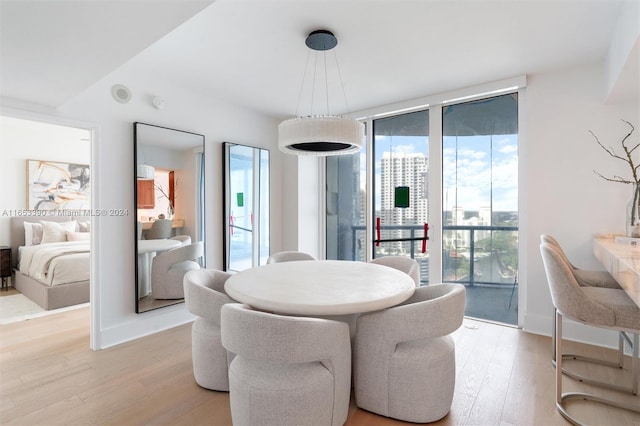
point(113, 178)
point(562, 194)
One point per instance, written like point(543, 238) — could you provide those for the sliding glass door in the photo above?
point(480, 204)
point(381, 208)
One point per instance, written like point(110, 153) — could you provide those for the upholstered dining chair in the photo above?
point(401, 263)
point(289, 256)
point(404, 364)
point(204, 296)
point(160, 229)
point(185, 240)
point(168, 269)
point(286, 370)
point(595, 306)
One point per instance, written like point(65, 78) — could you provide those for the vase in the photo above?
point(170, 212)
point(633, 214)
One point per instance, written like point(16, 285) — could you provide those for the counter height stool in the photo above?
point(587, 278)
point(599, 307)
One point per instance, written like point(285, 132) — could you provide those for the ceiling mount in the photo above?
point(321, 40)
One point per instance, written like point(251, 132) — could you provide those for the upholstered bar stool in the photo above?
point(286, 370)
point(599, 307)
point(588, 278)
point(204, 295)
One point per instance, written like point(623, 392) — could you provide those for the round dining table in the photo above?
point(147, 249)
point(320, 287)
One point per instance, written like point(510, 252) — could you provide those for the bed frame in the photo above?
point(48, 297)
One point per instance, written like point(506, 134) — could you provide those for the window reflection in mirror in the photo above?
point(246, 203)
point(169, 231)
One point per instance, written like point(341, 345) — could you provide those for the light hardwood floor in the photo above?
point(49, 376)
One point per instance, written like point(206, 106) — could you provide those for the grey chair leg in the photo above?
point(561, 397)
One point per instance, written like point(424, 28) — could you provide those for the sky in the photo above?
point(485, 168)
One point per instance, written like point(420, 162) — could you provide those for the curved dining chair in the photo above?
point(404, 364)
point(168, 269)
point(402, 263)
point(287, 370)
point(599, 307)
point(204, 296)
point(289, 256)
point(185, 240)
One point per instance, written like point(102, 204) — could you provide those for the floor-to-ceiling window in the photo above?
point(400, 187)
point(382, 209)
point(480, 204)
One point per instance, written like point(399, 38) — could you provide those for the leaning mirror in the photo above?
point(246, 206)
point(169, 198)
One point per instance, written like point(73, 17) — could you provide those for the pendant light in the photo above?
point(321, 135)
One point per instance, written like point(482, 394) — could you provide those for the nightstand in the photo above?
point(5, 265)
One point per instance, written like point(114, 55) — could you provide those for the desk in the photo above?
point(146, 251)
point(622, 261)
point(320, 287)
point(175, 223)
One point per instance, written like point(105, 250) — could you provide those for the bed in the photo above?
point(55, 274)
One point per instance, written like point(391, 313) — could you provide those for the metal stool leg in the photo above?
point(561, 397)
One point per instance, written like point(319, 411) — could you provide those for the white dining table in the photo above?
point(622, 261)
point(146, 250)
point(320, 287)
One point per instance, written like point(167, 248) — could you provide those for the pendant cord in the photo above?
point(344, 93)
point(306, 66)
point(326, 79)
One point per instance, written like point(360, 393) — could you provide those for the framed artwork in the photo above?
point(58, 186)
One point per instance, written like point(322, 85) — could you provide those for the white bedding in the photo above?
point(56, 263)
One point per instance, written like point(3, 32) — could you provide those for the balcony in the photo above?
point(482, 258)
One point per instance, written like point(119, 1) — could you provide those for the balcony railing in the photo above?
point(469, 257)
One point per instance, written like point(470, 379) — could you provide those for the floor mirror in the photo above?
point(169, 198)
point(246, 206)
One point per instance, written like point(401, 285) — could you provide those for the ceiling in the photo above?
point(252, 52)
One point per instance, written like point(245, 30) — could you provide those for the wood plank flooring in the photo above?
point(49, 376)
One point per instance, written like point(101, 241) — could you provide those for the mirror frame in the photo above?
point(201, 219)
point(226, 204)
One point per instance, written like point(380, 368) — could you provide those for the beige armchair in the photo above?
point(289, 256)
point(185, 240)
point(204, 296)
point(168, 269)
point(286, 370)
point(404, 357)
point(401, 263)
point(595, 306)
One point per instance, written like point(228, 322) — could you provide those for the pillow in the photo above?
point(56, 232)
point(32, 233)
point(84, 226)
point(78, 236)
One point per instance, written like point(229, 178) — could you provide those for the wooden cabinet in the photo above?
point(5, 264)
point(146, 194)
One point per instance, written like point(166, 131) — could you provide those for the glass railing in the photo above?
point(472, 255)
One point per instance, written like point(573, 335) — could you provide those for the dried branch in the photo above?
point(627, 158)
